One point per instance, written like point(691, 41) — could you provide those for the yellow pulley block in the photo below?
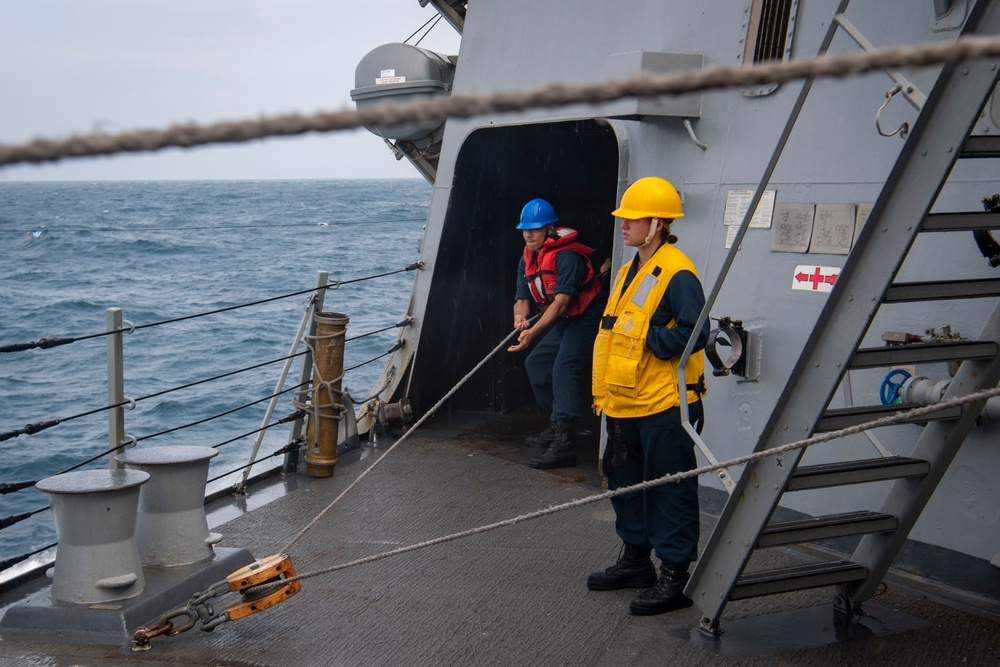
point(268, 570)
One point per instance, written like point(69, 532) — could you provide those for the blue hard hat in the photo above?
point(537, 213)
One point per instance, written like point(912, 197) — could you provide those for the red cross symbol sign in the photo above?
point(815, 278)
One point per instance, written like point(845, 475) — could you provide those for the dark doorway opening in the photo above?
point(574, 165)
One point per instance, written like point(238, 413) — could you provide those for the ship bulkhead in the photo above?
point(715, 147)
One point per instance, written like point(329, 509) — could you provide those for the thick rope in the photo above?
point(466, 106)
point(412, 429)
point(890, 420)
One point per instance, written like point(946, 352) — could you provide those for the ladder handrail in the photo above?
point(923, 164)
point(734, 248)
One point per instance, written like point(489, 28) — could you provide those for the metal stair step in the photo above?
point(825, 527)
point(838, 418)
point(959, 222)
point(981, 146)
point(855, 472)
point(923, 353)
point(941, 290)
point(797, 578)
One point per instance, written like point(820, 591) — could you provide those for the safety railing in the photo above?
point(120, 403)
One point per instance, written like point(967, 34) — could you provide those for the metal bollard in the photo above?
point(95, 515)
point(172, 528)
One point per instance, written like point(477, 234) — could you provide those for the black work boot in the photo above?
point(561, 453)
point(543, 439)
point(634, 569)
point(667, 594)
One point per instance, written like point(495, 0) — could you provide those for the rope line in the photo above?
point(412, 429)
point(187, 135)
point(666, 479)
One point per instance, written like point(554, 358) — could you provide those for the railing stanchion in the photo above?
point(116, 384)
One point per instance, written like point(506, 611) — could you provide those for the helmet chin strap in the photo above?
point(652, 232)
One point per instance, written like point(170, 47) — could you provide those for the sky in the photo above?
point(76, 67)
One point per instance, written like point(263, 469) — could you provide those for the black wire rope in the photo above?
point(45, 343)
point(49, 230)
point(405, 323)
point(284, 420)
point(284, 450)
point(93, 458)
point(223, 414)
point(384, 354)
point(436, 16)
point(436, 21)
point(16, 486)
point(33, 428)
point(17, 518)
point(219, 377)
point(10, 562)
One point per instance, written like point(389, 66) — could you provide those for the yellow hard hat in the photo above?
point(650, 197)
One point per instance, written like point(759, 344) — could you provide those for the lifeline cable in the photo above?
point(222, 414)
point(45, 343)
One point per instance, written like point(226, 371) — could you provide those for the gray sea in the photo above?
point(170, 249)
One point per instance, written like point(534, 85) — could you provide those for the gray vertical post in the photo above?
point(116, 384)
point(292, 458)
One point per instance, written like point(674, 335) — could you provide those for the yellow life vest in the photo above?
point(628, 379)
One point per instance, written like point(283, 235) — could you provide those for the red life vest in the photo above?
point(540, 271)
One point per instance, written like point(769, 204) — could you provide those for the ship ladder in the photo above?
point(939, 137)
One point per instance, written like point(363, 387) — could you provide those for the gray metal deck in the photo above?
point(513, 596)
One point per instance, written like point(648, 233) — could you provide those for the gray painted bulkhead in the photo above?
point(835, 155)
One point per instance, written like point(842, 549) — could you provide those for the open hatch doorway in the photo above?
point(575, 166)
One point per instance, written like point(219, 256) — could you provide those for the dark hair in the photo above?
point(665, 234)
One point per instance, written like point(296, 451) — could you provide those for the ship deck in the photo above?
point(511, 596)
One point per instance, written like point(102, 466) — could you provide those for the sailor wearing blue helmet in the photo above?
point(556, 274)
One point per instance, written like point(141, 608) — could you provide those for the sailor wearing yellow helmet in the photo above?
point(651, 313)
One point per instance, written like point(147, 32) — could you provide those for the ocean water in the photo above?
point(170, 249)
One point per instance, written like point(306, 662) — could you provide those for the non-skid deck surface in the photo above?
point(512, 596)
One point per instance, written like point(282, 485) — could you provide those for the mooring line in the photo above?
point(412, 429)
point(897, 418)
point(467, 106)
